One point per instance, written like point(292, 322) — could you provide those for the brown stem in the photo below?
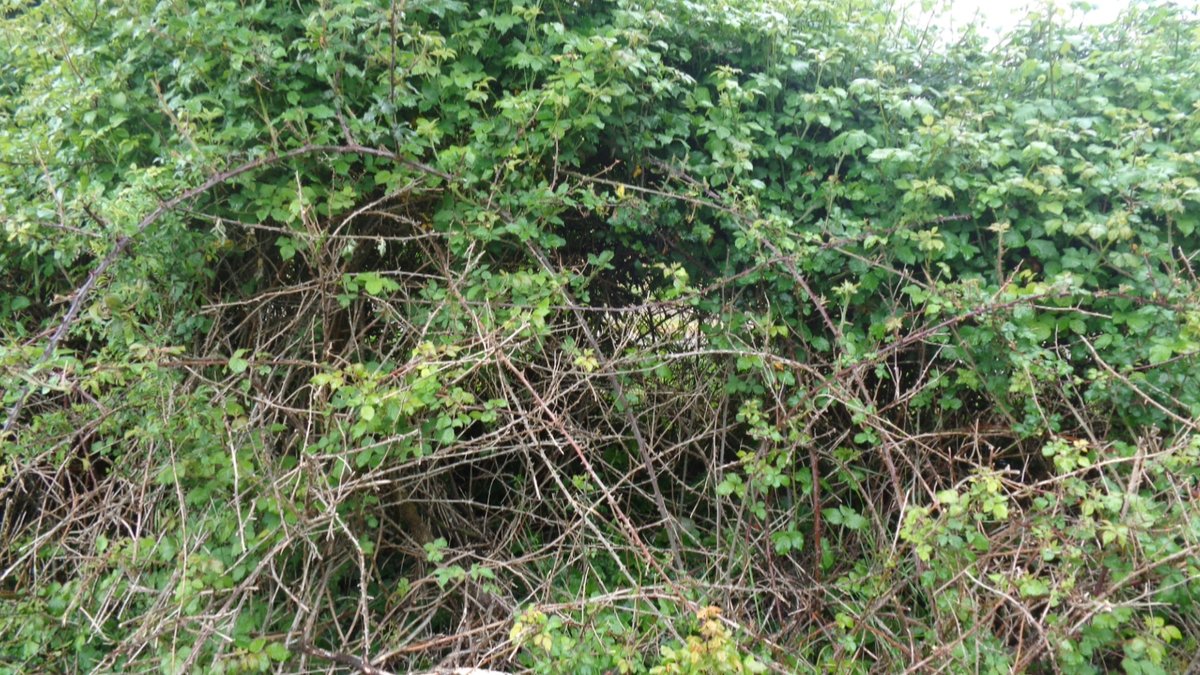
point(125, 241)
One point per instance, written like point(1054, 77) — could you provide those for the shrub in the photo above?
point(593, 336)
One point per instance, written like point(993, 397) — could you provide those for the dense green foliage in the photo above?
point(665, 336)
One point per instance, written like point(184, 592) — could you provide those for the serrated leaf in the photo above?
point(237, 364)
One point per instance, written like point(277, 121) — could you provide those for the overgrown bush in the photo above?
point(590, 337)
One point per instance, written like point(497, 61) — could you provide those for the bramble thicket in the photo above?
point(581, 336)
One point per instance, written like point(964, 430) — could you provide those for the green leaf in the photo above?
point(238, 364)
point(276, 651)
point(1051, 207)
point(320, 112)
point(1160, 352)
point(1033, 587)
point(287, 247)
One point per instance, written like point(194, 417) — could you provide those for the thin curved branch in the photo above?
point(122, 244)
